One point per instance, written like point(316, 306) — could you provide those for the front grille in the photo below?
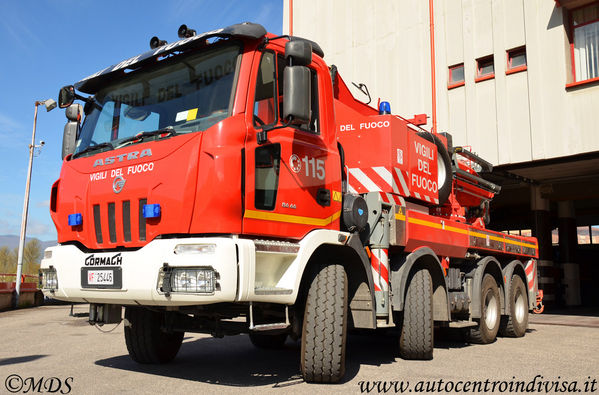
point(142, 220)
point(111, 223)
point(105, 220)
point(127, 220)
point(98, 224)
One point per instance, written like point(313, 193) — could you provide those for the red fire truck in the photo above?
point(230, 183)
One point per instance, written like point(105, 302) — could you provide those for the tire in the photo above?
point(444, 173)
point(487, 328)
point(146, 342)
point(416, 340)
point(269, 342)
point(515, 324)
point(324, 329)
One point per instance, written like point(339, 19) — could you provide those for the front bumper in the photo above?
point(141, 272)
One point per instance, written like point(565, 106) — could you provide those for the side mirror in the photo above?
point(71, 129)
point(66, 96)
point(297, 95)
point(299, 52)
point(296, 82)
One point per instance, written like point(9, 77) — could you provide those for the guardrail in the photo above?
point(29, 283)
point(30, 294)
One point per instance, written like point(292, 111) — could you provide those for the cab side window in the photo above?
point(268, 101)
point(265, 111)
point(267, 165)
point(312, 127)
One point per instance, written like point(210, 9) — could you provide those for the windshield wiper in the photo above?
point(94, 148)
point(169, 131)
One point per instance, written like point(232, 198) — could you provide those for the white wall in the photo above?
point(509, 119)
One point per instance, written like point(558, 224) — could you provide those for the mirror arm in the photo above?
point(262, 136)
point(88, 99)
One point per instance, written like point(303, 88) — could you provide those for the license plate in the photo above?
point(102, 277)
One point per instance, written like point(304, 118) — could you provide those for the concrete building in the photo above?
point(516, 80)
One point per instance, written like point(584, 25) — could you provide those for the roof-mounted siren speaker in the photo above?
point(185, 32)
point(155, 42)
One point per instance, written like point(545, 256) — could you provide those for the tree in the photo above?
point(5, 260)
point(8, 260)
point(32, 254)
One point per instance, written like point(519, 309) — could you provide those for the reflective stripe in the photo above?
point(292, 219)
point(435, 225)
point(363, 179)
point(402, 181)
point(380, 269)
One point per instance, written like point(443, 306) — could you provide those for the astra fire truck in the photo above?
point(230, 183)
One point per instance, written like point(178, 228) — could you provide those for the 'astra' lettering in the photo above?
point(123, 157)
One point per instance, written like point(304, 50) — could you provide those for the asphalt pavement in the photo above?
point(46, 347)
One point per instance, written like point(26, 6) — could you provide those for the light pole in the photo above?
point(50, 105)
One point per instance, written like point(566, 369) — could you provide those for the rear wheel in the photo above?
point(487, 328)
point(417, 336)
point(146, 342)
point(263, 340)
point(515, 324)
point(325, 326)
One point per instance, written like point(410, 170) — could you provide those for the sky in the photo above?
point(48, 44)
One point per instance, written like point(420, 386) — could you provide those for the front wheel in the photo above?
point(325, 326)
point(146, 342)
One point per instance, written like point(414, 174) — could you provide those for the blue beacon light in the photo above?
point(75, 219)
point(152, 210)
point(384, 108)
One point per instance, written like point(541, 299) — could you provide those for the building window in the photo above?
point(584, 45)
point(588, 234)
point(456, 76)
point(555, 237)
point(485, 68)
point(516, 60)
point(584, 236)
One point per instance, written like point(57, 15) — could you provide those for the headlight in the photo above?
point(49, 278)
point(188, 280)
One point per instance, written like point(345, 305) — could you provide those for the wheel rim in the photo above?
point(520, 307)
point(491, 310)
point(440, 171)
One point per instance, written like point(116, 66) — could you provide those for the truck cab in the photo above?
point(180, 133)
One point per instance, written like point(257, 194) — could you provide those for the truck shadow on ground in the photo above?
point(23, 359)
point(234, 361)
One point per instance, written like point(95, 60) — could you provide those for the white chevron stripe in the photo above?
point(381, 257)
point(417, 195)
point(364, 180)
point(399, 173)
point(351, 189)
point(427, 198)
point(387, 176)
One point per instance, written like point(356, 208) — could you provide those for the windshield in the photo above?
point(182, 95)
